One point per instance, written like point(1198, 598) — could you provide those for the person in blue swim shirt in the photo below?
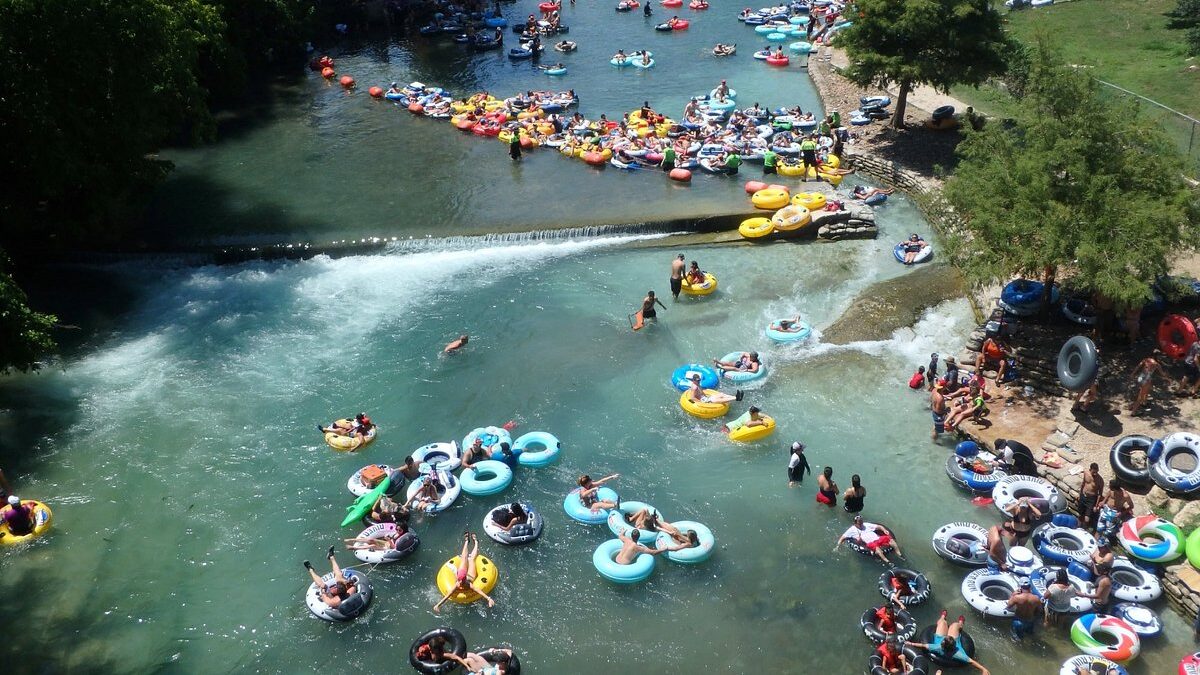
point(947, 645)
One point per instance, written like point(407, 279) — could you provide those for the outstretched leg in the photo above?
point(955, 628)
point(470, 561)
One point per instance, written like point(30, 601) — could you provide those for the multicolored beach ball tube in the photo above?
point(1152, 539)
point(1120, 642)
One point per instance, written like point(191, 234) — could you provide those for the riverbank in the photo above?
point(1065, 439)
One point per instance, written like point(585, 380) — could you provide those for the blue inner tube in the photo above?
point(742, 376)
point(637, 571)
point(537, 449)
point(486, 478)
point(1022, 292)
point(583, 514)
point(1078, 363)
point(681, 378)
point(924, 254)
point(775, 333)
point(875, 199)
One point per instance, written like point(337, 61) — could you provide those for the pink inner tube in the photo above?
point(777, 60)
point(672, 3)
point(681, 24)
point(547, 6)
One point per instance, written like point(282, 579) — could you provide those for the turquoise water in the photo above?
point(176, 445)
point(317, 163)
point(188, 484)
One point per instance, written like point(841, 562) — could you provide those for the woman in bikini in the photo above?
point(1024, 514)
point(465, 574)
point(588, 489)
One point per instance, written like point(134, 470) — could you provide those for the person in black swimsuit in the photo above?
point(854, 495)
point(826, 488)
point(648, 303)
point(1024, 514)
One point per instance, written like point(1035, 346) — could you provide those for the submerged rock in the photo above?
point(895, 303)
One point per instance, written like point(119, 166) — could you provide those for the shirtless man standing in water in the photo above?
point(676, 275)
point(937, 403)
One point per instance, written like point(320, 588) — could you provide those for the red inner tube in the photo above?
point(1176, 333)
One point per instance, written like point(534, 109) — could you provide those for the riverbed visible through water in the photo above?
point(177, 445)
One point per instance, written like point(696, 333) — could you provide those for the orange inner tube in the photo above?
point(1176, 333)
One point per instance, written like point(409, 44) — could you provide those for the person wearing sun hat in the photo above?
point(18, 517)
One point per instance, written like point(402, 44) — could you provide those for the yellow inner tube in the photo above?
point(41, 522)
point(703, 409)
point(710, 285)
point(788, 169)
point(809, 200)
point(486, 576)
point(349, 443)
point(755, 228)
point(770, 199)
point(744, 434)
point(831, 178)
point(791, 218)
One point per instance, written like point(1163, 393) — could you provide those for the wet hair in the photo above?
point(755, 409)
point(505, 448)
point(949, 645)
point(635, 534)
point(693, 538)
point(650, 293)
point(338, 588)
point(584, 480)
point(464, 338)
point(408, 461)
point(855, 480)
point(1094, 466)
point(827, 472)
point(516, 509)
point(920, 369)
point(681, 256)
point(1060, 576)
point(753, 356)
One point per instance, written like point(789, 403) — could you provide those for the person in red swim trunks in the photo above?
point(827, 490)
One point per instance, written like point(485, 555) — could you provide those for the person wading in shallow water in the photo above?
point(648, 302)
point(677, 267)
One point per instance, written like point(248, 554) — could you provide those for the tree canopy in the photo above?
point(24, 333)
point(1080, 183)
point(939, 43)
point(1186, 15)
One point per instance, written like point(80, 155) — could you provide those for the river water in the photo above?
point(177, 450)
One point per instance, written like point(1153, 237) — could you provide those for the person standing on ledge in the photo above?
point(677, 267)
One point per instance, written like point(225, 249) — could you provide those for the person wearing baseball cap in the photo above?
point(18, 517)
point(1026, 608)
point(797, 465)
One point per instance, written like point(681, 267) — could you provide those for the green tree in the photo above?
point(1081, 185)
point(91, 89)
point(1187, 16)
point(939, 43)
point(24, 333)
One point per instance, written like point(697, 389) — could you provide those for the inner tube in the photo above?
point(740, 433)
point(491, 436)
point(1022, 561)
point(706, 288)
point(486, 478)
point(962, 543)
point(681, 377)
point(1192, 548)
point(1091, 664)
point(704, 409)
point(1131, 583)
point(537, 449)
point(1164, 545)
point(486, 578)
point(357, 488)
point(1023, 297)
point(1190, 664)
point(1176, 333)
point(692, 555)
point(777, 60)
point(964, 641)
point(618, 518)
point(1166, 476)
point(1124, 465)
point(577, 511)
point(1012, 488)
point(523, 533)
point(924, 254)
point(455, 644)
point(505, 655)
point(604, 559)
point(405, 545)
point(906, 626)
point(1062, 545)
point(350, 608)
point(349, 443)
point(1079, 311)
point(443, 456)
point(917, 662)
point(1140, 618)
point(988, 591)
point(918, 586)
point(1127, 643)
point(777, 334)
point(449, 491)
point(964, 474)
point(42, 517)
point(1078, 363)
point(743, 376)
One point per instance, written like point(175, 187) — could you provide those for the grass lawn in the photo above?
point(1125, 42)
